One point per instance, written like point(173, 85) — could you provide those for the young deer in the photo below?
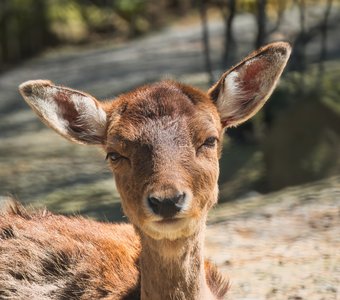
point(163, 142)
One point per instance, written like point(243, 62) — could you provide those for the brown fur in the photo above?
point(162, 140)
point(46, 256)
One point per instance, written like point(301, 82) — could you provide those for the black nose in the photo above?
point(166, 207)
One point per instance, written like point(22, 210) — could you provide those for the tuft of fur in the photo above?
point(218, 283)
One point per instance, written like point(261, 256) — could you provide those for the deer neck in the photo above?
point(173, 269)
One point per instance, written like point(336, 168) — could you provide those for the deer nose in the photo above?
point(167, 207)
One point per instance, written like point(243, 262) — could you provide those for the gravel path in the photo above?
point(284, 245)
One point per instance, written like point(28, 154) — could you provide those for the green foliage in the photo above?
point(23, 29)
point(129, 8)
point(29, 26)
point(66, 20)
point(271, 5)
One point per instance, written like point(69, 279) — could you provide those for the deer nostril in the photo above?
point(167, 207)
point(155, 204)
point(179, 199)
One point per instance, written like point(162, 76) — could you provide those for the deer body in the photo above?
point(163, 142)
point(44, 256)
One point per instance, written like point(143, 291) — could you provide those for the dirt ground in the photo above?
point(284, 245)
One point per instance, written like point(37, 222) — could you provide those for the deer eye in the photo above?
point(210, 142)
point(114, 156)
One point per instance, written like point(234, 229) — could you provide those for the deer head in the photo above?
point(163, 140)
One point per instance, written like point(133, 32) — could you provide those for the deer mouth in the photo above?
point(171, 228)
point(169, 221)
point(170, 224)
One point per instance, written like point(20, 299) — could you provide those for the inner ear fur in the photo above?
point(75, 115)
point(243, 90)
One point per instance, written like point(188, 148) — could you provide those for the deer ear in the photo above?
point(73, 114)
point(244, 89)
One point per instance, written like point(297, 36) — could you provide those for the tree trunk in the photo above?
point(205, 40)
point(4, 14)
point(258, 121)
point(301, 50)
point(323, 50)
point(229, 40)
point(261, 23)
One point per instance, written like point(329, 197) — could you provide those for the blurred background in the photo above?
point(107, 47)
point(282, 166)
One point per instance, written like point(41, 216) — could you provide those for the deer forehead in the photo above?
point(163, 114)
